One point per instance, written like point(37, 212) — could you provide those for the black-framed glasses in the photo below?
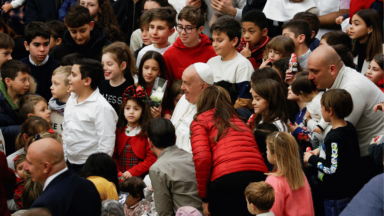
point(188, 29)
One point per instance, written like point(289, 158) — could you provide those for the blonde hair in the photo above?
point(65, 70)
point(284, 147)
point(282, 44)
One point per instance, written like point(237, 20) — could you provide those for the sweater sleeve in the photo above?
point(327, 165)
point(144, 166)
point(106, 116)
point(17, 3)
point(164, 206)
point(64, 9)
point(358, 105)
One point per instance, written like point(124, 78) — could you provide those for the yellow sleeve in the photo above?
point(244, 103)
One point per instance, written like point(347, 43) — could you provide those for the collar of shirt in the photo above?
point(305, 55)
point(41, 64)
point(50, 178)
point(170, 148)
point(92, 97)
point(339, 78)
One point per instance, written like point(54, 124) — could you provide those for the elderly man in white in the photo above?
point(195, 79)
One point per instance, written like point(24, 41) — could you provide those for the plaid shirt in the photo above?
point(16, 15)
point(20, 183)
point(127, 158)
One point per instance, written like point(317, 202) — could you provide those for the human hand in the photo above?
point(246, 52)
point(348, 29)
point(205, 209)
point(317, 130)
point(196, 3)
point(156, 112)
point(224, 6)
point(265, 63)
point(379, 106)
point(339, 20)
point(306, 157)
point(289, 76)
point(292, 128)
point(126, 175)
point(150, 188)
point(316, 152)
point(6, 7)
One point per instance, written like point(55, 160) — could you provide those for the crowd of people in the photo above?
point(191, 108)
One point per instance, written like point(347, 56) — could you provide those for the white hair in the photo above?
point(111, 207)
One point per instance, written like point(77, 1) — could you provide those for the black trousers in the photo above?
point(226, 194)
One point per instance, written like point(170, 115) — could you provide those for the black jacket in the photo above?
point(128, 14)
point(93, 49)
point(40, 10)
point(69, 194)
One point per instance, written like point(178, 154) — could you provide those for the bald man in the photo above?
point(327, 71)
point(195, 79)
point(64, 193)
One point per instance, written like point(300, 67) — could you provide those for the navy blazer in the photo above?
point(69, 194)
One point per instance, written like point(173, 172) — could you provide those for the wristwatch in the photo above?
point(305, 120)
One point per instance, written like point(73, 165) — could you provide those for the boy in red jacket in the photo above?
point(191, 46)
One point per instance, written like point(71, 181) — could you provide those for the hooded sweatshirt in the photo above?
point(178, 57)
point(93, 49)
point(57, 114)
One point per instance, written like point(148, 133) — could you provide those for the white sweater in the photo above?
point(365, 95)
point(314, 108)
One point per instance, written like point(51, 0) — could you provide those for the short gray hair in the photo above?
point(111, 207)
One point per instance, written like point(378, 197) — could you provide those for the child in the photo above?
point(144, 32)
point(255, 30)
point(314, 23)
point(70, 59)
point(366, 31)
point(174, 95)
point(161, 26)
point(6, 46)
point(34, 105)
point(119, 69)
point(230, 65)
point(89, 120)
point(279, 47)
point(57, 31)
point(37, 36)
point(300, 32)
point(20, 183)
point(339, 154)
point(152, 66)
point(281, 66)
point(261, 133)
point(375, 71)
point(13, 85)
point(134, 204)
point(289, 181)
point(60, 94)
point(132, 153)
point(269, 102)
point(83, 36)
point(260, 197)
point(191, 46)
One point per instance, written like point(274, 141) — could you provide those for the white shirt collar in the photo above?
point(50, 178)
point(92, 97)
point(41, 64)
point(266, 214)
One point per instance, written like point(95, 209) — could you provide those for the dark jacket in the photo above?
point(7, 184)
point(40, 10)
point(64, 8)
point(93, 49)
point(69, 194)
point(128, 14)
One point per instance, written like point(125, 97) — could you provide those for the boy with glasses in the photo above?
point(191, 46)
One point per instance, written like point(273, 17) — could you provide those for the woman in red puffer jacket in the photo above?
point(225, 154)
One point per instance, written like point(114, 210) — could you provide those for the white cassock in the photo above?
point(182, 118)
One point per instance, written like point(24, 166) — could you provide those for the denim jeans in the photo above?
point(335, 207)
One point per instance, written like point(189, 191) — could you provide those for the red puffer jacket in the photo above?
point(235, 152)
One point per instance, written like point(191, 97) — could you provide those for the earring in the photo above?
point(369, 32)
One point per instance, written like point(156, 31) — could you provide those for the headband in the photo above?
point(277, 134)
point(138, 93)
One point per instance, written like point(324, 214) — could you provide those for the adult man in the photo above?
point(173, 175)
point(64, 193)
point(327, 71)
point(195, 79)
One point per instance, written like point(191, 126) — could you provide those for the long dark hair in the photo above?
point(101, 164)
point(159, 59)
point(216, 97)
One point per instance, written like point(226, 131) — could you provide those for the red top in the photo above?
point(141, 149)
point(178, 57)
point(235, 152)
point(7, 184)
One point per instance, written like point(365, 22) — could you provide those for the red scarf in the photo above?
point(257, 50)
point(356, 5)
point(381, 84)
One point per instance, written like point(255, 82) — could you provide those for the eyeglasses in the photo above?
point(188, 29)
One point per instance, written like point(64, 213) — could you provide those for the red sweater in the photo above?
point(7, 184)
point(237, 151)
point(141, 149)
point(178, 57)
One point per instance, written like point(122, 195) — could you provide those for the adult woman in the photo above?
point(225, 154)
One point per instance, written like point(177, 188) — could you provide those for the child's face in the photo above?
point(112, 70)
point(292, 96)
point(132, 113)
point(145, 35)
point(259, 104)
point(20, 170)
point(270, 157)
point(131, 201)
point(374, 72)
point(5, 55)
point(38, 48)
point(191, 38)
point(76, 83)
point(41, 110)
point(58, 88)
point(151, 70)
point(176, 99)
point(325, 114)
point(288, 33)
point(274, 55)
point(82, 34)
point(252, 33)
point(20, 85)
point(358, 29)
point(221, 43)
point(93, 7)
point(54, 42)
point(159, 32)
